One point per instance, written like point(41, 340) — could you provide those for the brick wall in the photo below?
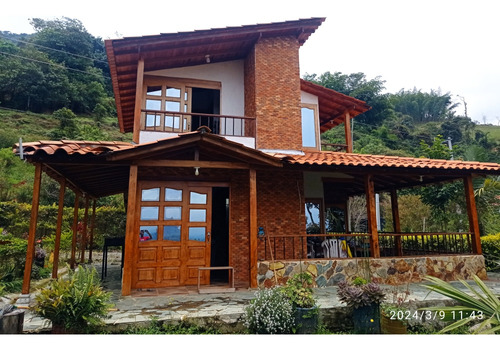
point(280, 210)
point(272, 92)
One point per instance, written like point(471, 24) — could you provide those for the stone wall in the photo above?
point(391, 271)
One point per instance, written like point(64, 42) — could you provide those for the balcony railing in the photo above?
point(357, 245)
point(180, 122)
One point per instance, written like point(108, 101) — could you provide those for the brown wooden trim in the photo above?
point(472, 214)
point(57, 241)
point(92, 227)
point(138, 100)
point(199, 83)
point(192, 163)
point(395, 220)
point(84, 233)
point(253, 227)
point(372, 216)
point(75, 230)
point(129, 231)
point(30, 251)
point(348, 135)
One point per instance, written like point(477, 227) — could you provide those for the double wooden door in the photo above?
point(173, 234)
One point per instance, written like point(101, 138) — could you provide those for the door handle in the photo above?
point(208, 235)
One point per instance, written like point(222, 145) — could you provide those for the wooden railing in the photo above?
point(180, 122)
point(357, 245)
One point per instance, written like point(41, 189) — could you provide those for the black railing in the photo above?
point(179, 122)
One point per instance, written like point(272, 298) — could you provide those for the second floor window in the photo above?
point(309, 126)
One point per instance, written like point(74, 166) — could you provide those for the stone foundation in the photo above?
point(391, 271)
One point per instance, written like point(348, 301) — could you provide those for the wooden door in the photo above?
point(174, 234)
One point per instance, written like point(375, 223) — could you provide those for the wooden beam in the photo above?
point(57, 241)
point(395, 221)
point(372, 216)
point(84, 232)
point(92, 227)
point(75, 231)
point(193, 163)
point(30, 252)
point(348, 135)
point(253, 227)
point(138, 100)
point(130, 233)
point(472, 214)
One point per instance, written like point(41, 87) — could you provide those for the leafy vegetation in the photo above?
point(77, 303)
point(478, 306)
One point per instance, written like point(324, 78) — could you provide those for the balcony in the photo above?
point(158, 124)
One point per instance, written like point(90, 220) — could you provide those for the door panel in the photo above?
point(174, 234)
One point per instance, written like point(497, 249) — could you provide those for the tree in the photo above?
point(358, 86)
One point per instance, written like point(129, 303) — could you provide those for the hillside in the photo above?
point(34, 126)
point(493, 131)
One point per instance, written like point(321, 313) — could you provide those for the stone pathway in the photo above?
point(226, 309)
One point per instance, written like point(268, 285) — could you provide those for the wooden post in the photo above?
point(395, 221)
point(130, 233)
point(348, 135)
point(253, 228)
point(472, 214)
point(30, 252)
point(84, 233)
point(92, 227)
point(57, 242)
point(75, 231)
point(138, 100)
point(372, 216)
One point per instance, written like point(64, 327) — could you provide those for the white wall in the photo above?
point(306, 97)
point(230, 74)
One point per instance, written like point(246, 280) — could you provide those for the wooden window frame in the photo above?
point(314, 107)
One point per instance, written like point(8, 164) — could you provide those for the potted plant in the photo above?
point(393, 314)
point(76, 304)
point(365, 299)
point(298, 290)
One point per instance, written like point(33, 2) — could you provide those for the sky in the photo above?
point(452, 46)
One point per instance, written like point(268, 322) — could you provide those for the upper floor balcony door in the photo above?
point(174, 105)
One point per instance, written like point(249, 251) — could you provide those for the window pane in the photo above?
point(197, 234)
point(148, 233)
point(172, 233)
point(173, 92)
point(154, 91)
point(308, 128)
point(313, 218)
point(152, 120)
point(152, 194)
point(154, 105)
point(172, 122)
point(173, 213)
point(197, 198)
point(173, 195)
point(197, 215)
point(149, 213)
point(172, 106)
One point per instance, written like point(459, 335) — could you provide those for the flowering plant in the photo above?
point(360, 294)
point(269, 313)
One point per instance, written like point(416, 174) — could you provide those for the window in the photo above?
point(314, 216)
point(309, 126)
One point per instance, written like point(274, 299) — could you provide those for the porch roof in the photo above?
point(333, 105)
point(187, 49)
point(100, 168)
point(389, 172)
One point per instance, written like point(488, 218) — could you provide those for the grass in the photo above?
point(493, 131)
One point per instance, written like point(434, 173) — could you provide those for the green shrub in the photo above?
point(77, 304)
point(299, 290)
point(269, 313)
point(491, 251)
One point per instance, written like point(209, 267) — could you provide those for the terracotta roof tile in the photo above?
point(70, 147)
point(368, 160)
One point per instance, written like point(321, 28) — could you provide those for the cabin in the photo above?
point(227, 180)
